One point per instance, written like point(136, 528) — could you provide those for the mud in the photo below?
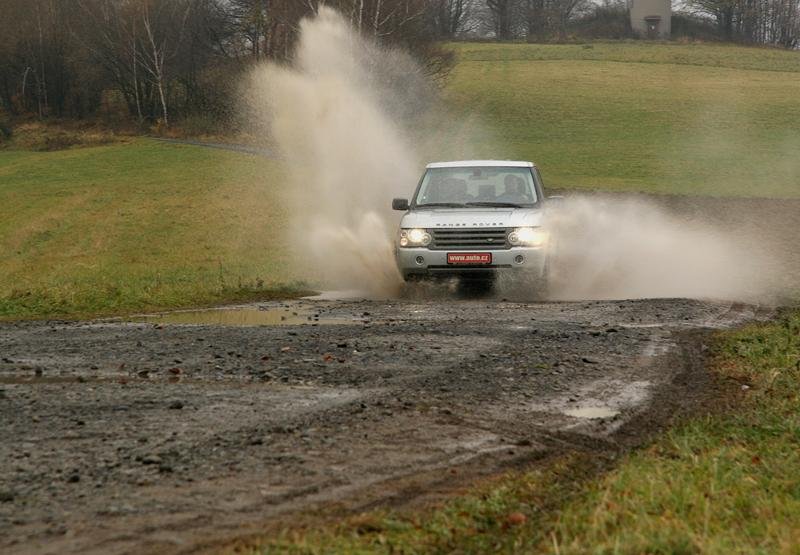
point(291, 314)
point(123, 437)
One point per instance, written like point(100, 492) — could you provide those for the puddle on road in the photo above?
point(249, 316)
point(16, 379)
point(344, 295)
point(592, 412)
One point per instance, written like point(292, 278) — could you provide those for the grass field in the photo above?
point(718, 484)
point(139, 225)
point(687, 119)
point(725, 483)
point(145, 225)
point(136, 226)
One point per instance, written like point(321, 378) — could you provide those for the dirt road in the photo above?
point(122, 437)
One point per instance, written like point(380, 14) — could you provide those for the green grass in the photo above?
point(696, 54)
point(726, 482)
point(632, 116)
point(125, 227)
point(138, 226)
point(129, 227)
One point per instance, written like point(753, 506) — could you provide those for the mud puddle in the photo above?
point(265, 421)
point(345, 295)
point(592, 413)
point(16, 379)
point(246, 317)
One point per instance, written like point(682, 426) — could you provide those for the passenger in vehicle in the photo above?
point(515, 190)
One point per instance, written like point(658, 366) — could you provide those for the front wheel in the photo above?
point(529, 286)
point(540, 285)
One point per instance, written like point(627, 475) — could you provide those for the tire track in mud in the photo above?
point(122, 437)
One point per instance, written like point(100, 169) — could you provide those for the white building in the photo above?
point(651, 18)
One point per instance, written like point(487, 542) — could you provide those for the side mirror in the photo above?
point(400, 204)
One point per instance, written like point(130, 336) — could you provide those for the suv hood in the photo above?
point(473, 218)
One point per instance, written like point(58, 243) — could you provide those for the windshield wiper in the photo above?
point(441, 205)
point(499, 204)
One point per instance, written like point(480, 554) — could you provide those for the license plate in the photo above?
point(469, 258)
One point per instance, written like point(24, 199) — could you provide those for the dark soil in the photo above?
point(135, 438)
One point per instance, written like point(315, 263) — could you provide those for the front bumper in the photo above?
point(423, 262)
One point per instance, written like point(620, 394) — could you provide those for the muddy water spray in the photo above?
point(633, 248)
point(334, 116)
point(328, 114)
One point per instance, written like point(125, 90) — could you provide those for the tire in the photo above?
point(541, 285)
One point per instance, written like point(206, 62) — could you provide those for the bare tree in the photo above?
point(36, 67)
point(502, 15)
point(775, 22)
point(548, 17)
point(170, 58)
point(448, 18)
point(164, 25)
point(564, 10)
point(110, 30)
point(13, 70)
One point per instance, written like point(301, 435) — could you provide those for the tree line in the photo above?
point(169, 58)
point(163, 60)
point(765, 22)
point(772, 22)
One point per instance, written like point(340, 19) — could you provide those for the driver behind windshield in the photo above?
point(469, 186)
point(515, 190)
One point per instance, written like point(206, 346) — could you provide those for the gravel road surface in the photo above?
point(161, 436)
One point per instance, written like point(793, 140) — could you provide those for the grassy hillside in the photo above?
point(123, 227)
point(134, 226)
point(698, 54)
point(691, 119)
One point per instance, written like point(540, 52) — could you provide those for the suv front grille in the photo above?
point(469, 239)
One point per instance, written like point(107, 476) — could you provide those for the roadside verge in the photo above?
point(722, 480)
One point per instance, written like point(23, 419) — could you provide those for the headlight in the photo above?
point(528, 237)
point(414, 238)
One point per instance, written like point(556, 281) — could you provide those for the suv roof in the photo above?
point(482, 163)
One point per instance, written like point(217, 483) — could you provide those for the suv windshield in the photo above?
point(477, 186)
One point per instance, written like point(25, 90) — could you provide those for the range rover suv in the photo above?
point(474, 219)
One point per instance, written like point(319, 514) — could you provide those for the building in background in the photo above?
point(651, 18)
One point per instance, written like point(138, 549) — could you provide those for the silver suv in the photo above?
point(474, 219)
